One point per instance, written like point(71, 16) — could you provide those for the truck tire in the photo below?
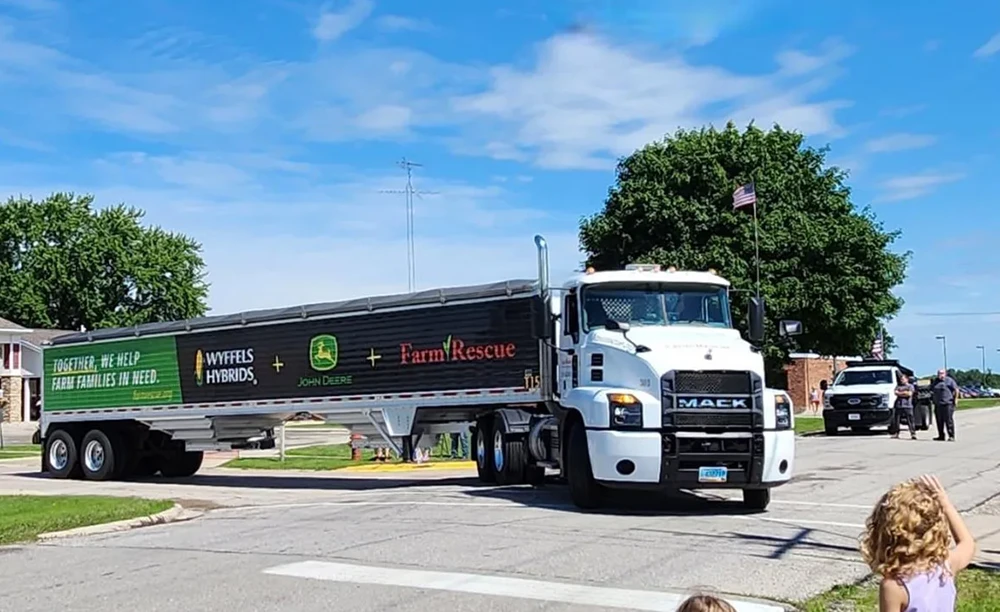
point(756, 499)
point(482, 441)
point(510, 454)
point(584, 491)
point(181, 464)
point(830, 430)
point(61, 456)
point(97, 456)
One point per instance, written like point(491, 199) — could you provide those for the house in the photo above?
point(805, 372)
point(21, 369)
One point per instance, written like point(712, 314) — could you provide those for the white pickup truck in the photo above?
point(863, 396)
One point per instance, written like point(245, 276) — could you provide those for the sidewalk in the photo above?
point(986, 529)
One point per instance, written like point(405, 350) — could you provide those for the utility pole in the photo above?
point(982, 350)
point(944, 348)
point(409, 192)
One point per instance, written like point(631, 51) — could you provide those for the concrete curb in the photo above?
point(175, 514)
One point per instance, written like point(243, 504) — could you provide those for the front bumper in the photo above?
point(653, 459)
point(842, 417)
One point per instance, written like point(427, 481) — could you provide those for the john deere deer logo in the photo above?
point(323, 352)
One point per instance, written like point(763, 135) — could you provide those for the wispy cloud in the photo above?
point(399, 23)
point(586, 101)
point(989, 48)
point(899, 142)
point(334, 24)
point(914, 186)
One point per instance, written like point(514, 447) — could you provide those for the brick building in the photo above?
point(806, 371)
point(21, 369)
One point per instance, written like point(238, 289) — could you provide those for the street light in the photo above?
point(944, 348)
point(982, 350)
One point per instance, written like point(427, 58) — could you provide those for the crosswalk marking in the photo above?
point(498, 586)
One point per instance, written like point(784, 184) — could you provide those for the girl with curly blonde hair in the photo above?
point(705, 603)
point(907, 541)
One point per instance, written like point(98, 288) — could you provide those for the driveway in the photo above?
point(437, 540)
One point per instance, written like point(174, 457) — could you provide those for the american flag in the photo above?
point(877, 351)
point(744, 195)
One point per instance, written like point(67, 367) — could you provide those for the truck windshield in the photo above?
point(655, 304)
point(864, 377)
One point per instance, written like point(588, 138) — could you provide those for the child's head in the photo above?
point(705, 603)
point(907, 532)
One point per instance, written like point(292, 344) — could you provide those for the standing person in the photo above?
point(907, 541)
point(904, 406)
point(945, 392)
point(814, 400)
point(705, 603)
point(459, 445)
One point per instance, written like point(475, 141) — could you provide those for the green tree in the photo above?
point(64, 264)
point(822, 261)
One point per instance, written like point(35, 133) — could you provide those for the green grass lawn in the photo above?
point(23, 517)
point(808, 424)
point(319, 458)
point(978, 402)
point(18, 451)
point(978, 591)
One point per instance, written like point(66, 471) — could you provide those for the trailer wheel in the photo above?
point(756, 499)
point(61, 455)
point(585, 492)
point(181, 464)
point(510, 455)
point(483, 441)
point(97, 456)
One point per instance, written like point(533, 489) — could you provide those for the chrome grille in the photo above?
point(710, 383)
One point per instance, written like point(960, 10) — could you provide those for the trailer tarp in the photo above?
point(448, 295)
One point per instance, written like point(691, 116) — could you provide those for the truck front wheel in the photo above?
point(756, 499)
point(61, 455)
point(585, 492)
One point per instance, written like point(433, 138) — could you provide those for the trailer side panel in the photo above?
point(485, 345)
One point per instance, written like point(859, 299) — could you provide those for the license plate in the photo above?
point(854, 417)
point(713, 474)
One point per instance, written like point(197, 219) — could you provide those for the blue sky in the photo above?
point(269, 129)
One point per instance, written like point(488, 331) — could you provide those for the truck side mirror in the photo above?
point(756, 317)
point(613, 325)
point(789, 328)
point(541, 320)
point(823, 385)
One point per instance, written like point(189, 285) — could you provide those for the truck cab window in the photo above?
point(572, 315)
point(655, 304)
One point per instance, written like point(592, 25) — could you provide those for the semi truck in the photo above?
point(629, 378)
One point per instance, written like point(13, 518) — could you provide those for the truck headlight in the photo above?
point(782, 412)
point(625, 411)
point(826, 401)
point(884, 402)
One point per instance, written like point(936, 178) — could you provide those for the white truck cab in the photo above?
point(655, 388)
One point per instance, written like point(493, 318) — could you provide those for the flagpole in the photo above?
point(756, 242)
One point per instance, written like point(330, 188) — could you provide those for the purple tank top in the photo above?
point(932, 591)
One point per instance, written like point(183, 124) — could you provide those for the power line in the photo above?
point(409, 192)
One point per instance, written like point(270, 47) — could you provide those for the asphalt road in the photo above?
point(437, 541)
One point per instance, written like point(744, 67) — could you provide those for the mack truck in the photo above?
point(632, 378)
